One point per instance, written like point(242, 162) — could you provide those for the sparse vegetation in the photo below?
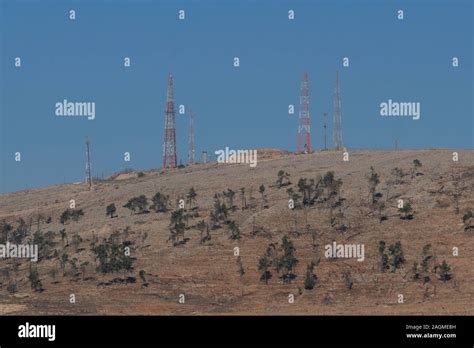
point(374, 180)
point(160, 202)
point(397, 257)
point(263, 265)
point(383, 257)
point(76, 241)
point(202, 226)
point(283, 179)
point(5, 229)
point(240, 266)
point(63, 260)
point(406, 210)
point(288, 260)
point(64, 239)
point(45, 243)
point(467, 220)
point(220, 212)
point(234, 230)
point(71, 214)
point(243, 198)
point(111, 210)
point(112, 256)
point(177, 227)
point(261, 189)
point(310, 277)
point(347, 277)
point(137, 204)
point(191, 198)
point(398, 174)
point(35, 280)
point(416, 166)
point(444, 271)
point(421, 272)
point(315, 196)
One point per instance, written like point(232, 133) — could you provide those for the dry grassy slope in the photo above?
point(207, 274)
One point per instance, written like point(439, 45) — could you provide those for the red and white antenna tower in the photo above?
point(191, 149)
point(304, 121)
point(169, 143)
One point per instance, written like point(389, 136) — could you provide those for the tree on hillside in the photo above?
point(288, 260)
point(313, 232)
point(293, 196)
point(83, 267)
point(229, 195)
point(398, 174)
point(302, 188)
point(139, 204)
point(444, 271)
point(416, 166)
point(63, 260)
point(76, 241)
point(374, 180)
point(220, 212)
point(310, 277)
point(468, 220)
point(406, 209)
point(160, 203)
point(141, 274)
point(191, 198)
point(71, 214)
point(177, 227)
point(457, 192)
point(35, 280)
point(397, 257)
point(112, 256)
point(333, 188)
point(261, 189)
point(422, 272)
point(240, 266)
point(5, 229)
point(384, 265)
point(283, 179)
point(311, 189)
point(202, 226)
point(242, 197)
point(263, 265)
point(234, 230)
point(63, 235)
point(111, 210)
point(347, 277)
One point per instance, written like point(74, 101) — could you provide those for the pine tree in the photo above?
point(191, 197)
point(445, 271)
point(310, 277)
point(263, 265)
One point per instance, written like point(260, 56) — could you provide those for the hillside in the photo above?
point(208, 273)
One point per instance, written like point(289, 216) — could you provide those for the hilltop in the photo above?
point(209, 274)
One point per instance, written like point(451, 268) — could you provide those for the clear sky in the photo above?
point(406, 60)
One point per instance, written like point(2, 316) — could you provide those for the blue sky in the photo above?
point(243, 108)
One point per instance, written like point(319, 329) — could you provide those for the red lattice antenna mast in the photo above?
point(169, 143)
